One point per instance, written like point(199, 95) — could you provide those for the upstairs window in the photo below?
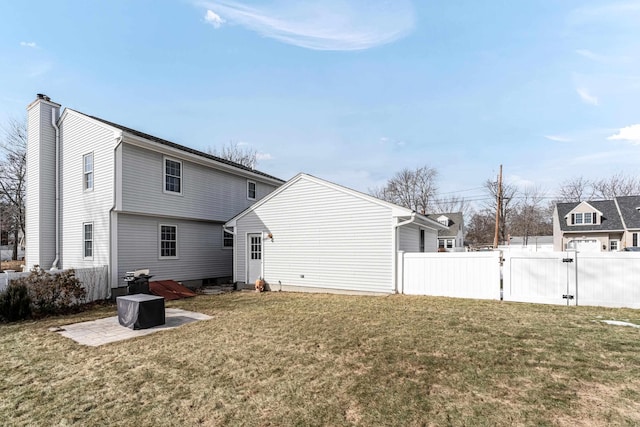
point(584, 218)
point(251, 190)
point(172, 176)
point(87, 180)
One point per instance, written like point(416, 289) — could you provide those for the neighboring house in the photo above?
point(595, 226)
point(129, 200)
point(311, 234)
point(452, 238)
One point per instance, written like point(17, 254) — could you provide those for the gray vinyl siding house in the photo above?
point(129, 200)
point(311, 234)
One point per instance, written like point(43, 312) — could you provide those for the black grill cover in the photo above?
point(140, 311)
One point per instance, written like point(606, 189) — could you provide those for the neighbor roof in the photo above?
point(629, 208)
point(455, 223)
point(178, 146)
point(610, 216)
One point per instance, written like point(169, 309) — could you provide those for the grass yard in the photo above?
point(305, 359)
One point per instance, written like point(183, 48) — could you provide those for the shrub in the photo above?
point(53, 293)
point(15, 303)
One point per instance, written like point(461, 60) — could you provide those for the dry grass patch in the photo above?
point(300, 359)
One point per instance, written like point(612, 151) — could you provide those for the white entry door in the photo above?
point(254, 257)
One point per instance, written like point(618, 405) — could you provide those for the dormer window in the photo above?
point(443, 220)
point(584, 218)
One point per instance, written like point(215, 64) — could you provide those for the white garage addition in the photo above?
point(311, 234)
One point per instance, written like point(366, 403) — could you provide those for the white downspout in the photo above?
point(395, 249)
point(112, 258)
point(54, 266)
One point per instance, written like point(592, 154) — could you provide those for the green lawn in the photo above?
point(303, 359)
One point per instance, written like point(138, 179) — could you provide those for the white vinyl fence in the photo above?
point(607, 279)
point(94, 280)
point(462, 275)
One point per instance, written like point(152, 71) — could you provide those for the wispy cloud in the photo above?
point(393, 142)
point(32, 45)
point(586, 97)
point(264, 156)
point(214, 19)
point(629, 133)
point(586, 53)
point(327, 25)
point(558, 138)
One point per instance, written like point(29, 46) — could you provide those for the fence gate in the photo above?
point(546, 277)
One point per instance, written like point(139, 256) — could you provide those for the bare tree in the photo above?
point(616, 185)
point(480, 228)
point(532, 216)
point(452, 203)
point(237, 153)
point(576, 190)
point(13, 166)
point(508, 205)
point(413, 189)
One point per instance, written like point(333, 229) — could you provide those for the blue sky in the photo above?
point(349, 91)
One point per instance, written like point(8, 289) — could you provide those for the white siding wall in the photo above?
point(200, 253)
point(40, 204)
point(80, 136)
point(409, 239)
point(207, 193)
point(334, 239)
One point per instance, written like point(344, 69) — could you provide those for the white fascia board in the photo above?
point(429, 223)
point(396, 211)
point(194, 158)
point(582, 204)
point(117, 133)
point(576, 232)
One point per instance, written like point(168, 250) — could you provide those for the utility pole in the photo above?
point(498, 208)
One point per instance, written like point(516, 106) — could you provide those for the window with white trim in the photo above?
point(449, 243)
point(168, 241)
point(256, 247)
point(87, 175)
point(227, 239)
point(172, 176)
point(582, 218)
point(614, 245)
point(251, 190)
point(634, 239)
point(87, 236)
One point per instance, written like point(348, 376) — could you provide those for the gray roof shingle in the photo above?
point(629, 206)
point(610, 217)
point(180, 147)
point(455, 222)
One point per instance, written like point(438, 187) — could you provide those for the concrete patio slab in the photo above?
point(108, 330)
